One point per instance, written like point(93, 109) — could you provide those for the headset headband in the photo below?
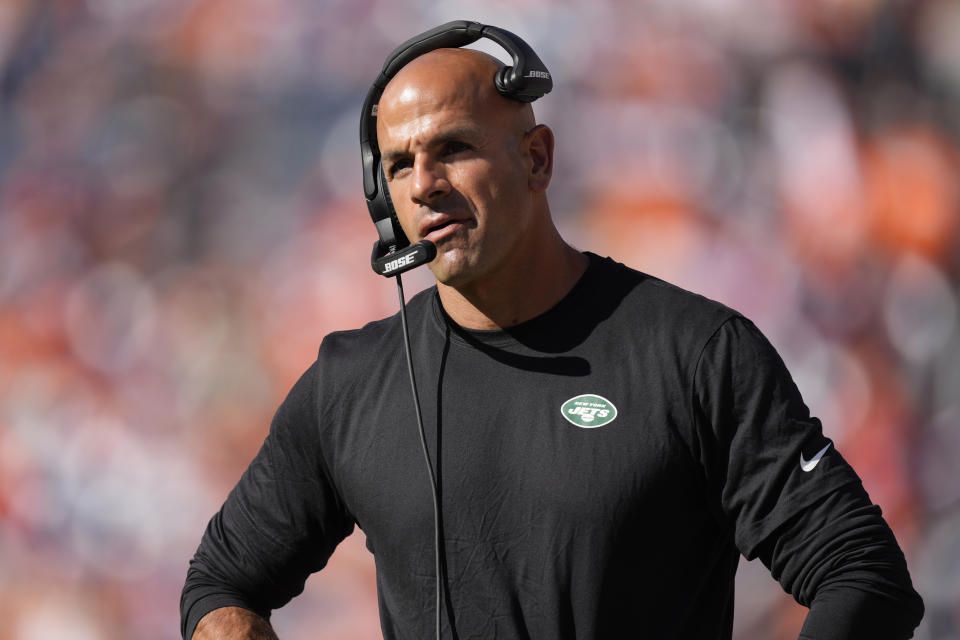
point(525, 81)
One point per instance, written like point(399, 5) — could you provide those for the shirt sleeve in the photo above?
point(841, 559)
point(790, 498)
point(277, 526)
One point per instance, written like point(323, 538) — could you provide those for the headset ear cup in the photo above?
point(502, 80)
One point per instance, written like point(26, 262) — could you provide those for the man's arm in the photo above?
point(278, 525)
point(233, 623)
point(791, 499)
point(840, 558)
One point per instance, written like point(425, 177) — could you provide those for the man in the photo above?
point(606, 444)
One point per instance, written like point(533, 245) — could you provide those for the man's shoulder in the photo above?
point(351, 342)
point(375, 338)
point(659, 302)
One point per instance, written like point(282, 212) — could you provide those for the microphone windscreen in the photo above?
point(405, 259)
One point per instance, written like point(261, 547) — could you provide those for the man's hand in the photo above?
point(233, 623)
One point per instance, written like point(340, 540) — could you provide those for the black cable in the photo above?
point(423, 443)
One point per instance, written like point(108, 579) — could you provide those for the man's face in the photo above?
point(457, 173)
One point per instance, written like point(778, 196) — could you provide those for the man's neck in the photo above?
point(508, 298)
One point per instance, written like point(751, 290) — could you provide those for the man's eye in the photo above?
point(455, 147)
point(397, 166)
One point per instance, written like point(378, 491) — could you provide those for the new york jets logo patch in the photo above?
point(588, 411)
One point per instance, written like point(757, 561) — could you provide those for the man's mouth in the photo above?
point(441, 230)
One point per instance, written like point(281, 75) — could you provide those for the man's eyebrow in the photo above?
point(457, 134)
point(462, 133)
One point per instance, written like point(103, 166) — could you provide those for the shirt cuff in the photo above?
point(846, 613)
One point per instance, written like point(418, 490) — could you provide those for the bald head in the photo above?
point(457, 78)
point(466, 167)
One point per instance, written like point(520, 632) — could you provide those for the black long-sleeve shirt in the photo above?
point(602, 467)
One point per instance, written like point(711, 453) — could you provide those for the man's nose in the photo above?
point(429, 181)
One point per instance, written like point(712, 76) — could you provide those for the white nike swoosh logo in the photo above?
point(811, 464)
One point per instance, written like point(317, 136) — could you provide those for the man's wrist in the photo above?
point(233, 623)
point(842, 613)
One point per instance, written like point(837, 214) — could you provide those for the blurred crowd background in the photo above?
point(181, 222)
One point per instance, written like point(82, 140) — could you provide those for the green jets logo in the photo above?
point(589, 411)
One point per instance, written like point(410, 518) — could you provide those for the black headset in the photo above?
point(525, 81)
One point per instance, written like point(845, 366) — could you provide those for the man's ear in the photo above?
point(539, 143)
